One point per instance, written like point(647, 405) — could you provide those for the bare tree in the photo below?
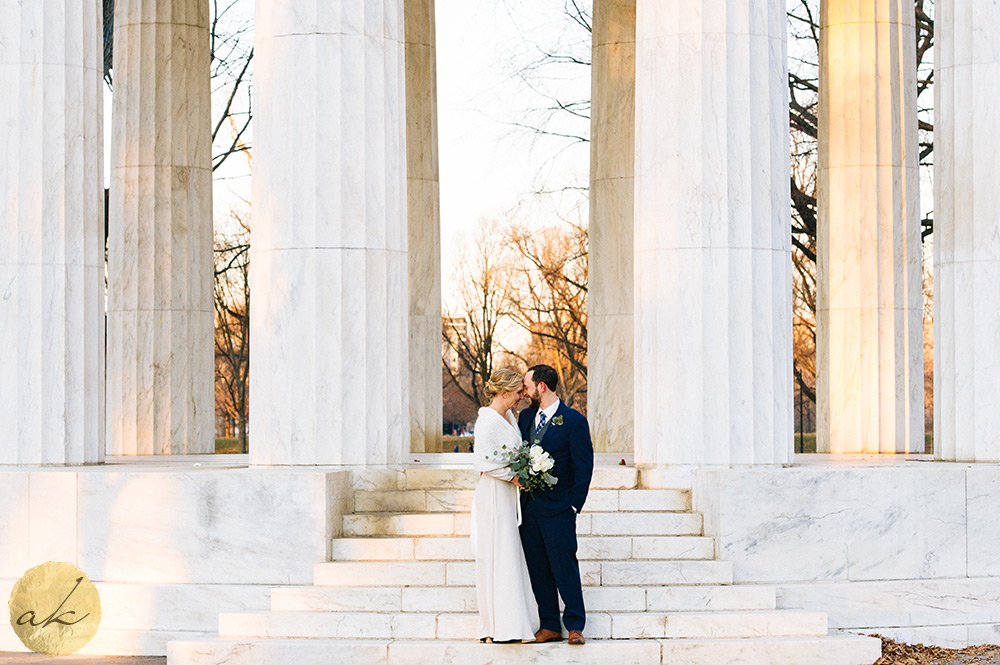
point(232, 325)
point(484, 277)
point(547, 62)
point(231, 32)
point(549, 301)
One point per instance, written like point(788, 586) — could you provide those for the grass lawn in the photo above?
point(227, 446)
point(448, 444)
point(807, 443)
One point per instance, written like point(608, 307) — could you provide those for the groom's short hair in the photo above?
point(545, 374)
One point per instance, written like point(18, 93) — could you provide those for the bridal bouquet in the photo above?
point(531, 465)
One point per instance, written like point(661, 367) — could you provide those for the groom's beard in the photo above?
point(535, 401)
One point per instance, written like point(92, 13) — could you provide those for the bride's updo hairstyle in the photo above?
point(502, 381)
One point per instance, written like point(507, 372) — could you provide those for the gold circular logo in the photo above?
point(55, 609)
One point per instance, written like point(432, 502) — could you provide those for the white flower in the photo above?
point(536, 458)
point(540, 460)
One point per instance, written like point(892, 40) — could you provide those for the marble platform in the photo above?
point(902, 546)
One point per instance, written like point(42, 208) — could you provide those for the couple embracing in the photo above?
point(525, 543)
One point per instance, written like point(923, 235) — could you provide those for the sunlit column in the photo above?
point(51, 232)
point(424, 222)
point(869, 347)
point(329, 365)
point(713, 363)
point(160, 270)
point(612, 154)
point(967, 231)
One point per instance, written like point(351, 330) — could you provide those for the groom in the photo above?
point(548, 522)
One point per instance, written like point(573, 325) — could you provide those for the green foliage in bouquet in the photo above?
point(531, 464)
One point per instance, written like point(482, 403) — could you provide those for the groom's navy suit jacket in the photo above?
point(573, 456)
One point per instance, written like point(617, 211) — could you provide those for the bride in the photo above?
point(507, 608)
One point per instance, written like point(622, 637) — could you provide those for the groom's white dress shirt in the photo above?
point(549, 413)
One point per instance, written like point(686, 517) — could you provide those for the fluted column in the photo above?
point(51, 233)
point(869, 347)
point(967, 231)
point(328, 270)
point(160, 271)
point(713, 364)
point(612, 154)
point(424, 223)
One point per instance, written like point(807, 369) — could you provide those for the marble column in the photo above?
point(329, 366)
point(51, 233)
point(161, 397)
point(869, 347)
point(967, 231)
point(612, 191)
point(424, 223)
point(713, 363)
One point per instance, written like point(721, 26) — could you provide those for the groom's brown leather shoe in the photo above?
point(576, 637)
point(546, 635)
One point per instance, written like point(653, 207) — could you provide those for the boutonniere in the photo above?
point(557, 421)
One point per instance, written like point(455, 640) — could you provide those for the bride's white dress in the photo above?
point(507, 607)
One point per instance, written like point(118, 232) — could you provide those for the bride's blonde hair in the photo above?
point(502, 381)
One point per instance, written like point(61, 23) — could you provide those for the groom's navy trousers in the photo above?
point(549, 543)
point(548, 518)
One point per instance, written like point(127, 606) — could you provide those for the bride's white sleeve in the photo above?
point(486, 455)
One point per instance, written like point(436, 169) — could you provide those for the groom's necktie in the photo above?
point(541, 422)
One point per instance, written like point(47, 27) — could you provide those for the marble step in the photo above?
point(458, 478)
point(460, 500)
point(457, 524)
point(108, 642)
point(463, 573)
point(463, 599)
point(834, 650)
point(465, 477)
point(457, 626)
point(590, 548)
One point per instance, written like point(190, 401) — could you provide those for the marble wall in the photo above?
point(712, 252)
point(424, 226)
point(869, 315)
point(51, 233)
point(966, 232)
point(161, 367)
point(952, 612)
point(329, 362)
point(612, 192)
point(909, 546)
point(170, 548)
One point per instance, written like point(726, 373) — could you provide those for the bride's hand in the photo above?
point(517, 481)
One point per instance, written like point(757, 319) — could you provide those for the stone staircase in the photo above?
point(399, 589)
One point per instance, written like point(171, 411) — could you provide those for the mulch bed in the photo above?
point(895, 653)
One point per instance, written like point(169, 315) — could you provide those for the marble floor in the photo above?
point(981, 656)
point(11, 658)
